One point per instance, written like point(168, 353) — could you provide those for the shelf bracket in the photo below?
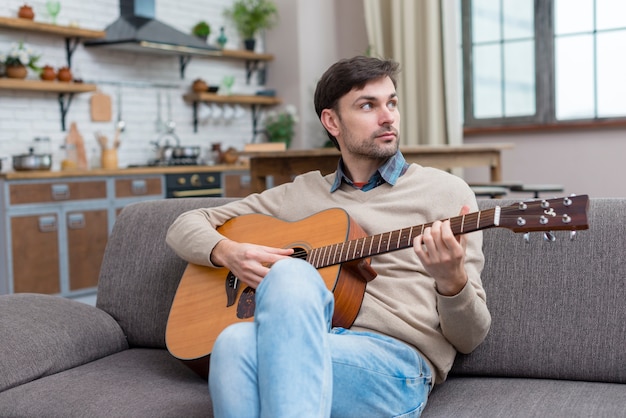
point(251, 66)
point(70, 47)
point(64, 106)
point(184, 60)
point(256, 110)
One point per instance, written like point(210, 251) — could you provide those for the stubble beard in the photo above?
point(369, 148)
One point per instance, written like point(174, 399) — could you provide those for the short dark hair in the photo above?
point(347, 74)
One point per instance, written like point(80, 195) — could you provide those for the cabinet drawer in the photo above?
point(56, 192)
point(138, 187)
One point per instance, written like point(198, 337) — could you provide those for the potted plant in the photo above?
point(250, 16)
point(280, 126)
point(202, 30)
point(18, 60)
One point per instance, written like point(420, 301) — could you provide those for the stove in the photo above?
point(173, 162)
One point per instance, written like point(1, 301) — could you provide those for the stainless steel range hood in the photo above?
point(137, 30)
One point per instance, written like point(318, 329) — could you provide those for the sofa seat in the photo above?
point(138, 382)
point(498, 397)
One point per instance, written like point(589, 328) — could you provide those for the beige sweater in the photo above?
point(401, 301)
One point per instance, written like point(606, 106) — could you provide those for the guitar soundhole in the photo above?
point(299, 253)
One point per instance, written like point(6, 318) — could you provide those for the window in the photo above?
point(543, 62)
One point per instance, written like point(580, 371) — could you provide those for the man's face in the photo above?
point(367, 121)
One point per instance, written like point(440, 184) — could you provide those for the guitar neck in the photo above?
point(396, 240)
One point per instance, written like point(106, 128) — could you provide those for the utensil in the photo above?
point(121, 125)
point(32, 161)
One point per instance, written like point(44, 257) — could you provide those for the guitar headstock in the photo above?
point(566, 213)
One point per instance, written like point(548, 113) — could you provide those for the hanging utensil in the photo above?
point(121, 125)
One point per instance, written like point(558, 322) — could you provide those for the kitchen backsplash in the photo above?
point(139, 79)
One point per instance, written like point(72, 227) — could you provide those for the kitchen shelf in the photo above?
point(253, 101)
point(72, 34)
point(251, 58)
point(65, 91)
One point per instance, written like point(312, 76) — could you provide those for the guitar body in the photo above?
point(199, 311)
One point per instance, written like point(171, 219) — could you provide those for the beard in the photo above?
point(370, 148)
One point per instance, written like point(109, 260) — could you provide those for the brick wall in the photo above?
point(139, 78)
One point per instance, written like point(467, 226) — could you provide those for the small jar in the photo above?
point(26, 12)
point(64, 74)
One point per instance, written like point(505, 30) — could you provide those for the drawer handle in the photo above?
point(47, 223)
point(138, 187)
point(196, 193)
point(75, 220)
point(60, 191)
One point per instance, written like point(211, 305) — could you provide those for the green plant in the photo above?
point(202, 29)
point(249, 16)
point(21, 54)
point(279, 126)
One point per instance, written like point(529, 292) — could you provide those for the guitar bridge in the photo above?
point(232, 287)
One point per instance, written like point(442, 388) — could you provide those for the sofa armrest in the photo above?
point(41, 335)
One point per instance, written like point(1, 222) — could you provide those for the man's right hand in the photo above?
point(248, 262)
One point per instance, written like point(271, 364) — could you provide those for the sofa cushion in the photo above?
point(42, 335)
point(140, 273)
point(558, 308)
point(466, 397)
point(131, 383)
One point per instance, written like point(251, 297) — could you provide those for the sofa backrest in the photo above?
point(558, 308)
point(140, 273)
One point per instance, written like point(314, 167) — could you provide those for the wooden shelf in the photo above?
point(66, 31)
point(45, 86)
point(253, 101)
point(246, 55)
point(232, 99)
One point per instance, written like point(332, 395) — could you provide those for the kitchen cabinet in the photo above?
point(55, 230)
point(72, 37)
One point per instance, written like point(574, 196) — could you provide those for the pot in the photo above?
point(32, 161)
point(181, 151)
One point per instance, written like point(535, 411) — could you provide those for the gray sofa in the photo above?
point(556, 347)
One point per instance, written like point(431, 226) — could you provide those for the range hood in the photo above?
point(137, 30)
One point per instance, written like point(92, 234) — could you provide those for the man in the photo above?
point(426, 303)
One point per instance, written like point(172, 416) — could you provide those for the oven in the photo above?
point(193, 185)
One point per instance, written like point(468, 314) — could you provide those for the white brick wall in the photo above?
point(25, 115)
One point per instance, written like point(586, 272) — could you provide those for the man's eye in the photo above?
point(392, 105)
point(366, 106)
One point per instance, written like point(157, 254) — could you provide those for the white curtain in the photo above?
point(422, 36)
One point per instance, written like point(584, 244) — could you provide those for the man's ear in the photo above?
point(330, 120)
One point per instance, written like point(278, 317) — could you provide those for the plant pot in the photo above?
point(16, 71)
point(249, 44)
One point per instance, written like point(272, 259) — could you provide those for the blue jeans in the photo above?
point(290, 363)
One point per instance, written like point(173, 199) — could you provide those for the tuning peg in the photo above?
point(527, 237)
point(572, 235)
point(549, 236)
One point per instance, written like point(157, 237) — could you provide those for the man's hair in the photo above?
point(348, 74)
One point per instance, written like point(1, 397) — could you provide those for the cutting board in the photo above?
point(74, 141)
point(100, 107)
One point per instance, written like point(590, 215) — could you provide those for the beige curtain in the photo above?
point(422, 36)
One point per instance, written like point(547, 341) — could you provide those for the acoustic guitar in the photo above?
point(210, 299)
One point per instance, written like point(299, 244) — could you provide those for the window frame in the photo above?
point(545, 108)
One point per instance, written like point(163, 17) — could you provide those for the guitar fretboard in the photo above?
point(396, 240)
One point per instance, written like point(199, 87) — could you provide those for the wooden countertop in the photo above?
point(43, 175)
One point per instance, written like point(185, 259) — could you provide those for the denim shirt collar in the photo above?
point(389, 173)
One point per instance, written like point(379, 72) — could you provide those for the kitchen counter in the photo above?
point(23, 175)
